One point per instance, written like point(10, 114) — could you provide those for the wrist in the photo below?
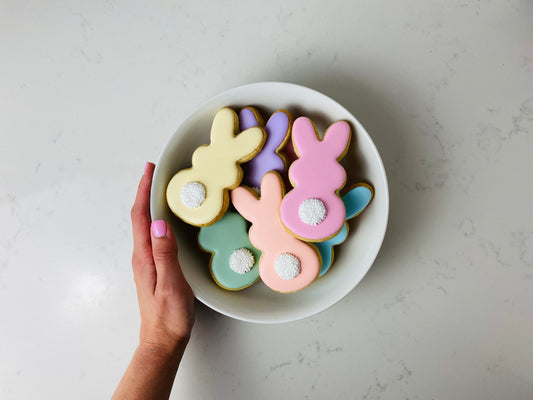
point(167, 349)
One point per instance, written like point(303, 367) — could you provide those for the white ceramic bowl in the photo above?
point(353, 258)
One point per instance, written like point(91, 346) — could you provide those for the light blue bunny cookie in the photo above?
point(355, 201)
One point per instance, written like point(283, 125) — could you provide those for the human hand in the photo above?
point(166, 301)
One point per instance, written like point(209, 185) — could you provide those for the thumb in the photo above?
point(165, 254)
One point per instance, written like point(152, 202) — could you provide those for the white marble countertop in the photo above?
point(91, 90)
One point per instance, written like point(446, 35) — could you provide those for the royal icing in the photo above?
point(241, 261)
point(234, 259)
point(193, 194)
point(316, 174)
point(268, 235)
point(277, 131)
point(287, 266)
point(215, 167)
point(355, 201)
point(312, 211)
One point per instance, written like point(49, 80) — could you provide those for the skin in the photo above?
point(166, 304)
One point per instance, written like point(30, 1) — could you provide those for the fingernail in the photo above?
point(159, 228)
point(145, 166)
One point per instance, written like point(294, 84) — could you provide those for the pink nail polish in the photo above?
point(145, 166)
point(159, 228)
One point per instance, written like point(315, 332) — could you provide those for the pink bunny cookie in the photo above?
point(277, 131)
point(287, 264)
point(313, 210)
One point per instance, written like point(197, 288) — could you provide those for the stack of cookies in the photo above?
point(240, 178)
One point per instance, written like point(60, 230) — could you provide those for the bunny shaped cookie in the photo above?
point(287, 264)
point(313, 210)
point(277, 131)
point(355, 201)
point(199, 195)
point(234, 261)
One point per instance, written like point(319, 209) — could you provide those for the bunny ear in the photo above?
point(304, 135)
point(245, 202)
point(337, 138)
point(277, 129)
point(246, 144)
point(224, 127)
point(357, 199)
point(249, 117)
point(272, 189)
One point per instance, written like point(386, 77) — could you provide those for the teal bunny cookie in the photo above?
point(234, 261)
point(355, 201)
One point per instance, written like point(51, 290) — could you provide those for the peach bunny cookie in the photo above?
point(313, 210)
point(199, 195)
point(277, 131)
point(287, 264)
point(234, 260)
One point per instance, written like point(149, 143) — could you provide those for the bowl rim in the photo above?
point(297, 316)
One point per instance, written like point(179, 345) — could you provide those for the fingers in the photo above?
point(165, 253)
point(143, 264)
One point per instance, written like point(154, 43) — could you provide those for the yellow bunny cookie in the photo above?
point(199, 195)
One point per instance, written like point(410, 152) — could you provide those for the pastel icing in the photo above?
point(277, 131)
point(316, 174)
point(268, 235)
point(228, 241)
point(355, 201)
point(216, 168)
